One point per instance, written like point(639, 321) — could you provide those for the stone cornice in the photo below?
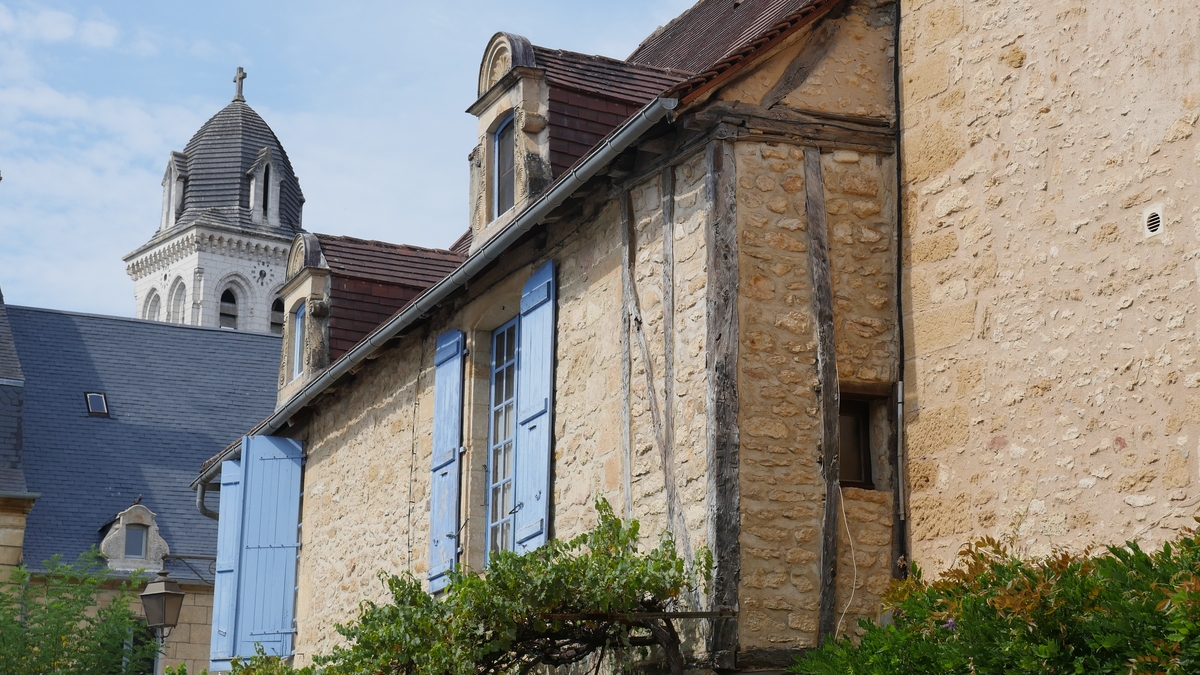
point(207, 239)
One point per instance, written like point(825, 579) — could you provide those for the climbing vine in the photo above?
point(596, 593)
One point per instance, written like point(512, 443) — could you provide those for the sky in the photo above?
point(367, 98)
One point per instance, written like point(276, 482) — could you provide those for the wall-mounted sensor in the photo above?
point(1152, 220)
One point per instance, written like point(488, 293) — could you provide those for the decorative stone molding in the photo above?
point(113, 545)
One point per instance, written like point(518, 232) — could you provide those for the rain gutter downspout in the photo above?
point(622, 138)
point(901, 471)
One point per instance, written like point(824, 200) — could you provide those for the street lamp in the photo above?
point(162, 601)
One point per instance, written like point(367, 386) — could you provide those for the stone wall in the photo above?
point(782, 490)
point(366, 482)
point(1051, 381)
point(188, 642)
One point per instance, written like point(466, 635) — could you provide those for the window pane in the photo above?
point(500, 438)
point(505, 161)
point(135, 541)
point(851, 459)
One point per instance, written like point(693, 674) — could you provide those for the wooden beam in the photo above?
point(667, 192)
point(824, 130)
point(626, 368)
point(721, 348)
point(828, 395)
point(814, 51)
point(675, 522)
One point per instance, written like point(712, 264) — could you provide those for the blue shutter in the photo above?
point(229, 534)
point(270, 542)
point(447, 442)
point(535, 386)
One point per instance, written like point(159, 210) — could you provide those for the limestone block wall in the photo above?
point(1052, 384)
point(187, 643)
point(782, 491)
point(366, 481)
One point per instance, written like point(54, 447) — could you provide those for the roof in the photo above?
point(219, 156)
point(710, 31)
point(611, 78)
point(10, 366)
point(176, 394)
point(387, 263)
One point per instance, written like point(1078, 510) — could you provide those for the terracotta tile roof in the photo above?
point(603, 76)
point(710, 31)
point(386, 263)
point(462, 245)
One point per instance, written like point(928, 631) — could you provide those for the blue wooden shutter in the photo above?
point(447, 442)
point(229, 535)
point(271, 469)
point(535, 386)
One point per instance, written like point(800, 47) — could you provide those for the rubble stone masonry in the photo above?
point(1053, 393)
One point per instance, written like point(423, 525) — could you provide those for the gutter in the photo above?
point(606, 151)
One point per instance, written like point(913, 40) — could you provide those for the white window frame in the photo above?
point(495, 406)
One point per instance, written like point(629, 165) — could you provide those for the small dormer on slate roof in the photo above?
point(234, 172)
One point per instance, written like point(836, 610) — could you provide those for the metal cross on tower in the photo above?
point(237, 79)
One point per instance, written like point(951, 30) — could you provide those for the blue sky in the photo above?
point(367, 98)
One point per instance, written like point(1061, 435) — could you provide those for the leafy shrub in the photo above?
point(554, 605)
point(55, 623)
point(1124, 611)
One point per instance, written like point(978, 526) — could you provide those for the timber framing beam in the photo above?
point(721, 345)
point(810, 127)
point(828, 394)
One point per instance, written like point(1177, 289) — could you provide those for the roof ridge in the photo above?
point(385, 243)
point(619, 62)
point(130, 319)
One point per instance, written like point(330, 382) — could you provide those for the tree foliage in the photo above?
point(555, 605)
point(62, 622)
point(1124, 611)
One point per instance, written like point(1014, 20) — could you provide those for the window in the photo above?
point(854, 432)
point(277, 317)
point(298, 342)
point(501, 435)
point(229, 310)
point(97, 404)
point(266, 190)
point(178, 303)
point(136, 537)
point(153, 306)
point(505, 165)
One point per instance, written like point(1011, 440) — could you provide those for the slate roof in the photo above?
point(12, 397)
point(219, 156)
point(710, 31)
point(610, 78)
point(10, 366)
point(387, 263)
point(176, 394)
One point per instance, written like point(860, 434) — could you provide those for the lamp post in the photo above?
point(162, 601)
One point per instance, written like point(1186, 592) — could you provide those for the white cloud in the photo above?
point(53, 26)
point(98, 34)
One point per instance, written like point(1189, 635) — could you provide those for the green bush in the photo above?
point(54, 623)
point(1123, 611)
point(552, 606)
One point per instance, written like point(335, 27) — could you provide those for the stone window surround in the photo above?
point(308, 285)
point(256, 173)
point(112, 546)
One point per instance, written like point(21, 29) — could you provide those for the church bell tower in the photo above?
point(231, 206)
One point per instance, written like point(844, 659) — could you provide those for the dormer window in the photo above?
point(229, 310)
point(298, 342)
point(505, 165)
point(266, 190)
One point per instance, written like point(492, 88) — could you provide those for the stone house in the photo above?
point(658, 249)
point(766, 286)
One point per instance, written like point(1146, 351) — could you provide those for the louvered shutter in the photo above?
point(270, 542)
point(229, 534)
point(447, 443)
point(535, 384)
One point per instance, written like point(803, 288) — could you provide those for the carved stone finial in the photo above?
point(237, 79)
